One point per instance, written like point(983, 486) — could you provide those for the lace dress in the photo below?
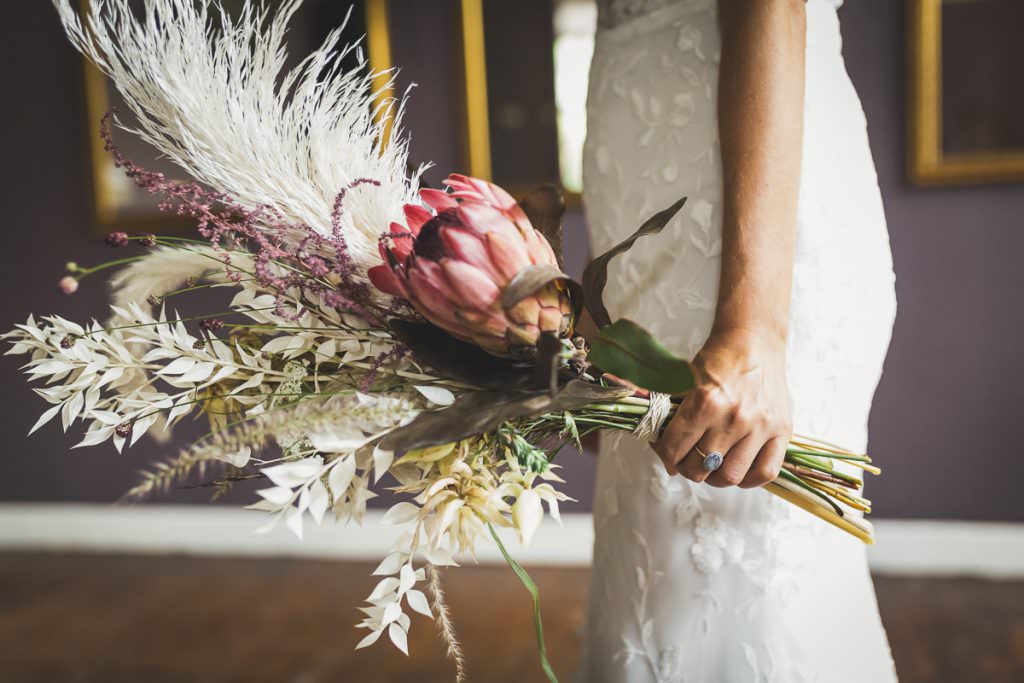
point(692, 583)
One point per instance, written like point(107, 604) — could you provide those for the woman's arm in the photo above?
point(740, 407)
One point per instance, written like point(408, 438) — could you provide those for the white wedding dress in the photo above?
point(692, 583)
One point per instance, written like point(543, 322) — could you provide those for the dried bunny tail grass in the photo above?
point(163, 270)
point(445, 625)
point(283, 425)
point(211, 92)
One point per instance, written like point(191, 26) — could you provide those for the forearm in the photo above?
point(760, 118)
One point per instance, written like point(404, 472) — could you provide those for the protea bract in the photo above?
point(455, 259)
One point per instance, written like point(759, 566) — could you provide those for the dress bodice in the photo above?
point(612, 13)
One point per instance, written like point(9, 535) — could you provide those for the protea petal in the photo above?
point(453, 260)
point(484, 322)
point(508, 255)
point(482, 218)
point(384, 279)
point(467, 247)
point(434, 274)
point(416, 216)
point(472, 285)
point(401, 241)
point(428, 292)
point(438, 199)
point(524, 312)
point(538, 248)
point(496, 196)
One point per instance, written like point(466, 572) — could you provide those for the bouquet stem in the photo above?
point(858, 527)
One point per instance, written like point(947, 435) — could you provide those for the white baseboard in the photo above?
point(905, 547)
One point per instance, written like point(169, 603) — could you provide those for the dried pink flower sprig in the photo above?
point(288, 257)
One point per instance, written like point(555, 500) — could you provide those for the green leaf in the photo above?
point(531, 587)
point(629, 352)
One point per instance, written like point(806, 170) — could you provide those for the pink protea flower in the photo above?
point(453, 262)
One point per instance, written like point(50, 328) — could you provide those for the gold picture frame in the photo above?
point(116, 207)
point(928, 163)
point(476, 147)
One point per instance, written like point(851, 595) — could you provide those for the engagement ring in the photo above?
point(711, 461)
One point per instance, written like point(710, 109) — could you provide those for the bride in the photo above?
point(777, 280)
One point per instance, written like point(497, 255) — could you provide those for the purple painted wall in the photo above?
point(945, 419)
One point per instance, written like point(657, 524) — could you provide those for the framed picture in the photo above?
point(503, 84)
point(966, 108)
point(117, 204)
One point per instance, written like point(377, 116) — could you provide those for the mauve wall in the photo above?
point(945, 419)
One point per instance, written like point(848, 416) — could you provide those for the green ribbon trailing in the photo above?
point(532, 588)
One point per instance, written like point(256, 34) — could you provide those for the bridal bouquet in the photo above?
point(374, 333)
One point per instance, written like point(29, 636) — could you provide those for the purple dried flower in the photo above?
point(199, 344)
point(288, 256)
point(123, 430)
point(391, 355)
point(211, 324)
point(67, 342)
point(147, 240)
point(153, 300)
point(116, 239)
point(190, 281)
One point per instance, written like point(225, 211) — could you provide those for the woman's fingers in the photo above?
point(679, 437)
point(736, 462)
point(767, 464)
point(713, 441)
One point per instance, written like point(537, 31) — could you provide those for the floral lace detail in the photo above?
point(682, 569)
point(612, 13)
point(717, 544)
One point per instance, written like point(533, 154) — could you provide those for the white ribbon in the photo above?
point(657, 413)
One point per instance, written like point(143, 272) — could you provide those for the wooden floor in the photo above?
point(90, 618)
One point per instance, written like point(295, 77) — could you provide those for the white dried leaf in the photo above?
point(390, 564)
point(406, 578)
point(296, 473)
point(318, 501)
point(527, 514)
point(45, 417)
point(382, 460)
point(370, 639)
point(384, 587)
point(418, 603)
point(436, 395)
point(401, 513)
point(341, 475)
point(277, 495)
point(399, 638)
point(391, 613)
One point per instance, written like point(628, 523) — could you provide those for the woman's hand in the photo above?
point(740, 409)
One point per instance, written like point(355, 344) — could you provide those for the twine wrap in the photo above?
point(654, 419)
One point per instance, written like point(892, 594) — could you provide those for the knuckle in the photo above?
point(731, 477)
point(768, 471)
point(711, 402)
point(692, 475)
point(750, 417)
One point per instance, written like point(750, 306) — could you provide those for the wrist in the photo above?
point(749, 337)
